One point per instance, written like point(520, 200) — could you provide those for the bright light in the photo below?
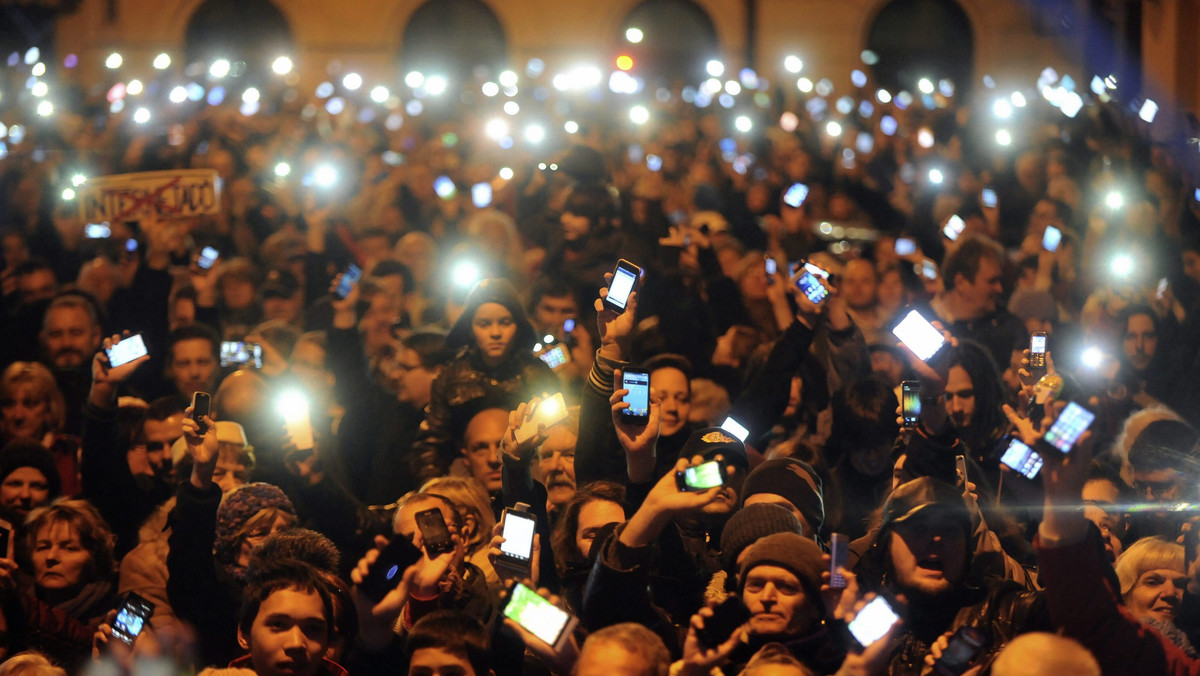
point(32, 55)
point(883, 96)
point(40, 89)
point(352, 81)
point(490, 89)
point(936, 177)
point(436, 85)
point(379, 94)
point(804, 84)
point(715, 68)
point(282, 65)
point(535, 133)
point(1018, 99)
point(1092, 357)
point(325, 176)
point(251, 95)
point(506, 173)
point(414, 79)
point(571, 127)
point(292, 405)
point(792, 64)
point(162, 61)
point(219, 68)
point(634, 35)
point(283, 169)
point(925, 85)
point(113, 61)
point(141, 115)
point(134, 87)
point(45, 109)
point(743, 123)
point(178, 94)
point(833, 128)
point(733, 88)
point(507, 78)
point(511, 107)
point(639, 115)
point(925, 138)
point(788, 121)
point(496, 129)
point(1148, 111)
point(1121, 265)
point(78, 180)
point(465, 273)
point(1071, 104)
point(858, 78)
point(625, 62)
point(1114, 200)
point(1002, 109)
point(39, 69)
point(1003, 137)
point(68, 194)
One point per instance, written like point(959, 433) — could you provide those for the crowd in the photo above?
point(348, 401)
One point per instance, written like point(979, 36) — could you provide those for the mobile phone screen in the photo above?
point(568, 326)
point(987, 197)
point(434, 533)
point(954, 227)
point(208, 256)
point(481, 195)
point(349, 279)
point(812, 287)
point(772, 267)
point(873, 621)
point(703, 476)
point(389, 568)
point(621, 287)
point(131, 618)
point(638, 398)
point(537, 615)
point(911, 402)
point(1022, 458)
point(736, 429)
point(127, 350)
point(919, 335)
point(1037, 343)
point(795, 195)
point(554, 357)
point(1051, 238)
point(1065, 431)
point(518, 535)
point(837, 559)
point(905, 246)
point(97, 230)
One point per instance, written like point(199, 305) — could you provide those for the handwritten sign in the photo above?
point(170, 194)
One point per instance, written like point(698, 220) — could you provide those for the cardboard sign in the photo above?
point(170, 194)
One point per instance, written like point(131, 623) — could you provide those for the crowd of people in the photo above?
point(350, 392)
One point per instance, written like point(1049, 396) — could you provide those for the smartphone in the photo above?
point(635, 153)
point(434, 533)
point(350, 277)
point(131, 245)
point(1037, 350)
point(481, 195)
point(568, 326)
point(960, 467)
point(919, 335)
point(772, 268)
point(297, 422)
point(838, 549)
point(965, 645)
point(238, 353)
point(726, 618)
point(555, 356)
point(1022, 458)
point(550, 412)
point(132, 617)
point(126, 350)
point(954, 227)
point(905, 246)
point(702, 477)
point(873, 621)
point(625, 277)
point(97, 231)
point(549, 623)
point(929, 270)
point(910, 403)
point(795, 195)
point(637, 381)
point(1065, 431)
point(1051, 238)
point(987, 197)
point(516, 553)
point(1161, 289)
point(816, 270)
point(736, 429)
point(208, 257)
point(6, 539)
point(388, 569)
point(201, 406)
point(812, 287)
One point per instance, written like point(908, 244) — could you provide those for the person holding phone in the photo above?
point(969, 306)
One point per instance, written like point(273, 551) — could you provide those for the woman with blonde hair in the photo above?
point(32, 407)
point(472, 503)
point(1153, 579)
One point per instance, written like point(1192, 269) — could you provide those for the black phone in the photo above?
point(516, 553)
point(726, 618)
point(1022, 458)
point(965, 645)
point(811, 286)
point(701, 477)
point(434, 533)
point(838, 549)
point(637, 381)
point(910, 403)
point(132, 617)
point(1037, 350)
point(388, 569)
point(625, 278)
point(201, 406)
point(350, 277)
point(6, 539)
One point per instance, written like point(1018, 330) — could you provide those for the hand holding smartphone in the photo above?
point(624, 279)
point(549, 413)
point(435, 536)
point(516, 552)
point(726, 618)
point(1070, 425)
point(126, 350)
point(132, 617)
point(1037, 350)
point(910, 403)
point(201, 407)
point(544, 620)
point(919, 335)
point(388, 570)
point(350, 277)
point(637, 381)
point(701, 477)
point(839, 548)
point(873, 622)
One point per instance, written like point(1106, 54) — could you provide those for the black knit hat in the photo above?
point(793, 480)
point(794, 553)
point(710, 441)
point(494, 290)
point(28, 453)
point(750, 524)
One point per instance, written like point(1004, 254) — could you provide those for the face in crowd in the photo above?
point(481, 447)
point(192, 366)
point(494, 328)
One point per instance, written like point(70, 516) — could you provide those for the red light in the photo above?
point(625, 62)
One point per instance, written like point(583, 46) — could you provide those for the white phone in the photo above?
point(919, 335)
point(873, 621)
point(550, 412)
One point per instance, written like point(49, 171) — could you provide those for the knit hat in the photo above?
point(28, 453)
point(710, 441)
point(750, 524)
point(794, 553)
point(494, 290)
point(793, 480)
point(237, 507)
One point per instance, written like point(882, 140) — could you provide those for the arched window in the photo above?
point(677, 40)
point(922, 38)
point(254, 31)
point(452, 38)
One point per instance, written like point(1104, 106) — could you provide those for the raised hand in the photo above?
point(615, 329)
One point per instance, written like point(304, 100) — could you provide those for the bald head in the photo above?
point(1042, 654)
point(241, 397)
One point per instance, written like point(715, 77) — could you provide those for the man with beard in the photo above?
point(555, 466)
point(192, 360)
point(70, 335)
